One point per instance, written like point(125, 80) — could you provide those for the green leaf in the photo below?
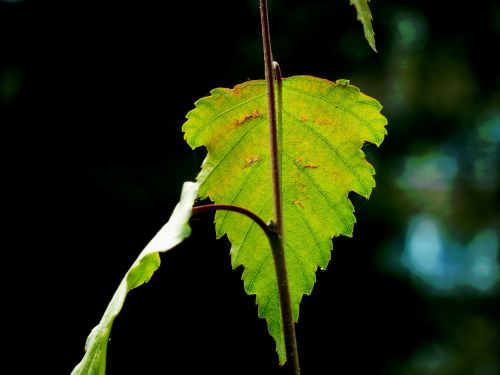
point(172, 234)
point(325, 124)
point(365, 16)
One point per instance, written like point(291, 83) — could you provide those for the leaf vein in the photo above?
point(257, 272)
point(264, 308)
point(255, 125)
point(345, 108)
point(333, 206)
point(212, 120)
point(302, 216)
point(245, 180)
point(250, 227)
point(332, 147)
point(301, 265)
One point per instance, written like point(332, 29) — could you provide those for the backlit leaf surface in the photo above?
point(325, 124)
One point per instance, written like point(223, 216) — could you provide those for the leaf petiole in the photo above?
point(228, 207)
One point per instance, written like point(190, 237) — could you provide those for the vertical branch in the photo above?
point(277, 240)
point(271, 109)
point(279, 112)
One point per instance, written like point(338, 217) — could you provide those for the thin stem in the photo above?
point(279, 111)
point(271, 109)
point(276, 244)
point(277, 241)
point(228, 207)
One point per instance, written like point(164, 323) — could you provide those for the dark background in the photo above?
point(92, 100)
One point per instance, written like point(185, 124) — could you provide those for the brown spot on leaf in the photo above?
point(298, 203)
point(300, 160)
point(251, 160)
point(322, 121)
point(244, 118)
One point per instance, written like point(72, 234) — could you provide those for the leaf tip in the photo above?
point(364, 15)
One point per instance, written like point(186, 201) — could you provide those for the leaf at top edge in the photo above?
point(173, 233)
point(365, 16)
point(325, 124)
